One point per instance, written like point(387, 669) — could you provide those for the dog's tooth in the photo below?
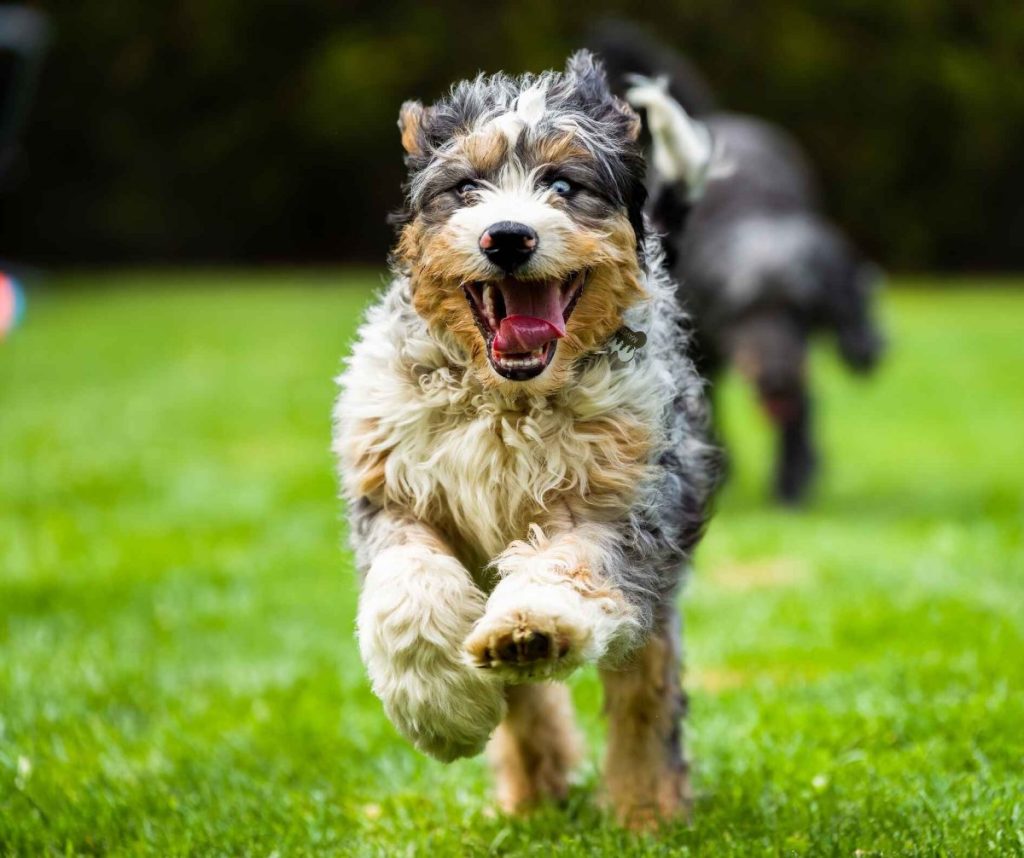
point(489, 309)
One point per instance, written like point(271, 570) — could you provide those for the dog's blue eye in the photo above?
point(466, 187)
point(562, 187)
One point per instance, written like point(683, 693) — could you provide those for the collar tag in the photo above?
point(624, 344)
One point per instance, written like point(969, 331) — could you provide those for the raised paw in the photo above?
point(522, 645)
point(414, 611)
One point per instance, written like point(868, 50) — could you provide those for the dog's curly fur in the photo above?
point(513, 524)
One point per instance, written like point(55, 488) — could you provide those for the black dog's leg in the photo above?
point(797, 459)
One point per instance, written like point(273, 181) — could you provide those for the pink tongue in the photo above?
point(534, 317)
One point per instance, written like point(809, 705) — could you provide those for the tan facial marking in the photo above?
point(485, 150)
point(561, 147)
point(613, 286)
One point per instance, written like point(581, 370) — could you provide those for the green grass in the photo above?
point(178, 673)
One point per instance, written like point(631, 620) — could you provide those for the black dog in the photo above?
point(760, 268)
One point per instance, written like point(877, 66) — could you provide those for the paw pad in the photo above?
point(524, 646)
point(521, 645)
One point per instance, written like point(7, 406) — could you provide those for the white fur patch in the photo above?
point(761, 246)
point(415, 609)
point(527, 112)
point(461, 454)
point(509, 124)
point(682, 146)
point(530, 105)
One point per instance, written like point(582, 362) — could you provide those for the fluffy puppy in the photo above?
point(523, 491)
point(759, 266)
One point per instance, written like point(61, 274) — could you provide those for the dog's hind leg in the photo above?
point(646, 773)
point(535, 747)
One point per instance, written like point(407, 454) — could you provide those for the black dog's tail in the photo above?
point(629, 49)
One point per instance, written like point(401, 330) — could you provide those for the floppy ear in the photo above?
point(591, 82)
point(590, 79)
point(410, 123)
point(630, 117)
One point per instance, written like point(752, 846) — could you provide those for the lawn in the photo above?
point(178, 673)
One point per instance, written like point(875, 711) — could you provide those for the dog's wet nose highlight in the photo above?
point(508, 244)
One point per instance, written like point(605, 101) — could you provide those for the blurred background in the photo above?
point(265, 131)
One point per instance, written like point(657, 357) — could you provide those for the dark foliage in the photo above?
point(266, 130)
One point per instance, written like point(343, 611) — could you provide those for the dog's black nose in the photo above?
point(508, 244)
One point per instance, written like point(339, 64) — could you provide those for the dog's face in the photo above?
point(523, 232)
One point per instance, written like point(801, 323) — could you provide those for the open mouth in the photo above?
point(522, 320)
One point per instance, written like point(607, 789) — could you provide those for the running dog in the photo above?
point(522, 443)
point(759, 266)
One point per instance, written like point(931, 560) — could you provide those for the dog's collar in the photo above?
point(621, 347)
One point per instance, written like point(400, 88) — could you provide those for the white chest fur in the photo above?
point(474, 462)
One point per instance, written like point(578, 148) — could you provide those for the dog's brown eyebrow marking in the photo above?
point(557, 147)
point(477, 155)
point(485, 150)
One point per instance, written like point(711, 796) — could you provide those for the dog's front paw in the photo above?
point(448, 714)
point(415, 609)
point(543, 623)
point(523, 644)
